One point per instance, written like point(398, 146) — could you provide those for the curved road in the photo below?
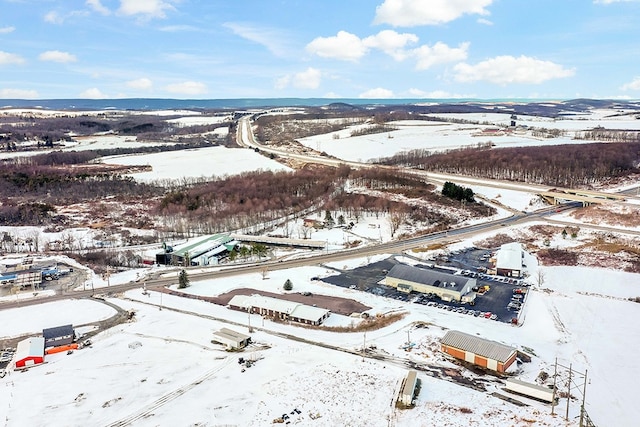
point(246, 138)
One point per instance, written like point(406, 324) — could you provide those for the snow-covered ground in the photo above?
point(441, 136)
point(162, 368)
point(200, 162)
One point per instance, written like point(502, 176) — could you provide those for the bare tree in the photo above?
point(540, 278)
point(396, 219)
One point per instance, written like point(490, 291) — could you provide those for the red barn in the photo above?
point(29, 352)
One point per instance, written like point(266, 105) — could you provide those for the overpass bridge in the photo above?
point(586, 197)
point(281, 241)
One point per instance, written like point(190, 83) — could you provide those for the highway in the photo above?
point(246, 139)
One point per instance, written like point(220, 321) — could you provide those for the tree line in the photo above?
point(571, 165)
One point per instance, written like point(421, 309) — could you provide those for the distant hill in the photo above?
point(529, 107)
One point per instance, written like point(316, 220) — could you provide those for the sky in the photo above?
point(217, 49)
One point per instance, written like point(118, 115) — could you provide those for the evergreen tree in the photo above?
point(183, 279)
point(288, 285)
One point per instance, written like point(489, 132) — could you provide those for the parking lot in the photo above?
point(498, 298)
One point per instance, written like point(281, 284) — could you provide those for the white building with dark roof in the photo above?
point(279, 309)
point(448, 287)
point(57, 336)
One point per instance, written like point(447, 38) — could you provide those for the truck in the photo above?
point(534, 391)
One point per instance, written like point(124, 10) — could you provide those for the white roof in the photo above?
point(291, 308)
point(29, 347)
point(308, 312)
point(230, 335)
point(510, 256)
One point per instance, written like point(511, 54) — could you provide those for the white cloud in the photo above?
point(140, 84)
point(283, 82)
point(53, 18)
point(187, 88)
point(409, 13)
point(18, 93)
point(57, 56)
point(632, 85)
point(506, 69)
point(391, 43)
point(10, 58)
point(376, 93)
point(7, 30)
point(146, 8)
point(98, 7)
point(93, 93)
point(267, 37)
point(484, 21)
point(439, 53)
point(349, 47)
point(307, 79)
point(344, 46)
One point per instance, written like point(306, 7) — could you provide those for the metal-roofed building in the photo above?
point(509, 260)
point(60, 335)
point(204, 251)
point(29, 352)
point(279, 309)
point(409, 388)
point(231, 339)
point(448, 287)
point(479, 351)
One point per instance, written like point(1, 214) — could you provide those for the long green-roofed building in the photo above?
point(202, 251)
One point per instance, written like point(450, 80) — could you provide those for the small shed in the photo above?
point(57, 336)
point(29, 352)
point(409, 388)
point(479, 351)
point(231, 339)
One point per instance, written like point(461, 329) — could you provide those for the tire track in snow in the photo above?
point(149, 409)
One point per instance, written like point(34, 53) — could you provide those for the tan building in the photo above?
point(448, 287)
point(479, 351)
point(279, 309)
point(231, 339)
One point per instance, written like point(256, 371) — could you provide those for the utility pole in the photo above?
point(584, 393)
point(566, 416)
point(555, 374)
point(581, 387)
point(364, 344)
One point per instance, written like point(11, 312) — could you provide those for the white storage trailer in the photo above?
point(534, 391)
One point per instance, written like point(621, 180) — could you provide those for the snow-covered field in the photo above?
point(200, 162)
point(163, 369)
point(441, 136)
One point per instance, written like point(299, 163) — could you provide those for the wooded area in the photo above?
point(257, 198)
point(572, 165)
